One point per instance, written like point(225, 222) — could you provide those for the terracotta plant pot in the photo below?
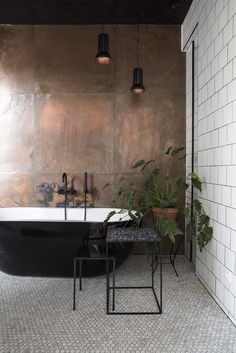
point(165, 213)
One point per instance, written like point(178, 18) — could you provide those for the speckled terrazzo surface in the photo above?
point(36, 315)
point(130, 234)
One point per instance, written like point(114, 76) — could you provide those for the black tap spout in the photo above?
point(85, 194)
point(64, 180)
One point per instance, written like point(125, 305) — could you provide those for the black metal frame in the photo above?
point(193, 118)
point(172, 254)
point(153, 269)
point(83, 258)
point(193, 137)
point(189, 37)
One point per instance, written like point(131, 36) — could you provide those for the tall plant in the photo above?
point(198, 222)
point(161, 190)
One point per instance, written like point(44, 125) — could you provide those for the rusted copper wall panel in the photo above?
point(61, 111)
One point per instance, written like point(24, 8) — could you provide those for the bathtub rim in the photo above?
point(61, 209)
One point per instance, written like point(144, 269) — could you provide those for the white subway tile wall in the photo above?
point(215, 140)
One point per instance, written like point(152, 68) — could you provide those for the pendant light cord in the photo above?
point(137, 44)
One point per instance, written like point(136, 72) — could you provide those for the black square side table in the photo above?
point(132, 235)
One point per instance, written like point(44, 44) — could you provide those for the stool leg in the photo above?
point(107, 278)
point(152, 273)
point(80, 274)
point(161, 276)
point(113, 285)
point(74, 291)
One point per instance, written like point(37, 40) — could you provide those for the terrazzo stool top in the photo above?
point(132, 235)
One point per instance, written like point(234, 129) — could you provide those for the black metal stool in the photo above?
point(97, 238)
point(82, 258)
point(124, 235)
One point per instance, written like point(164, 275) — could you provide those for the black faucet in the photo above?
point(64, 180)
point(85, 194)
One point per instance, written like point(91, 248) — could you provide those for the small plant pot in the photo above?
point(165, 213)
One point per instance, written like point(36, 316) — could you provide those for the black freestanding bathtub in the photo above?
point(37, 241)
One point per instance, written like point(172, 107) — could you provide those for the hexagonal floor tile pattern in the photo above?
point(36, 315)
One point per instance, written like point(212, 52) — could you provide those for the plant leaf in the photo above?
point(176, 151)
point(138, 163)
point(191, 230)
point(168, 151)
point(197, 205)
point(146, 164)
point(104, 187)
point(168, 228)
point(186, 212)
point(110, 214)
point(196, 180)
point(171, 151)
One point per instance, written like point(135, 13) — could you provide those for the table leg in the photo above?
point(152, 272)
point(173, 255)
point(80, 275)
point(74, 291)
point(161, 276)
point(107, 278)
point(113, 288)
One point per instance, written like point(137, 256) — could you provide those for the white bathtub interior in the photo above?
point(47, 214)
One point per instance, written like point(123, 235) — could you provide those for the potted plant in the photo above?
point(160, 193)
point(161, 190)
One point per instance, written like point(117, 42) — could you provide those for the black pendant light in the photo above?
point(137, 86)
point(103, 56)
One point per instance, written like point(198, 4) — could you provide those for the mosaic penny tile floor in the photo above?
point(36, 315)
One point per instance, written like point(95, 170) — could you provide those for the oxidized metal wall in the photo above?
point(61, 111)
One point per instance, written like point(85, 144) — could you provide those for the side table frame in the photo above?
point(114, 287)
